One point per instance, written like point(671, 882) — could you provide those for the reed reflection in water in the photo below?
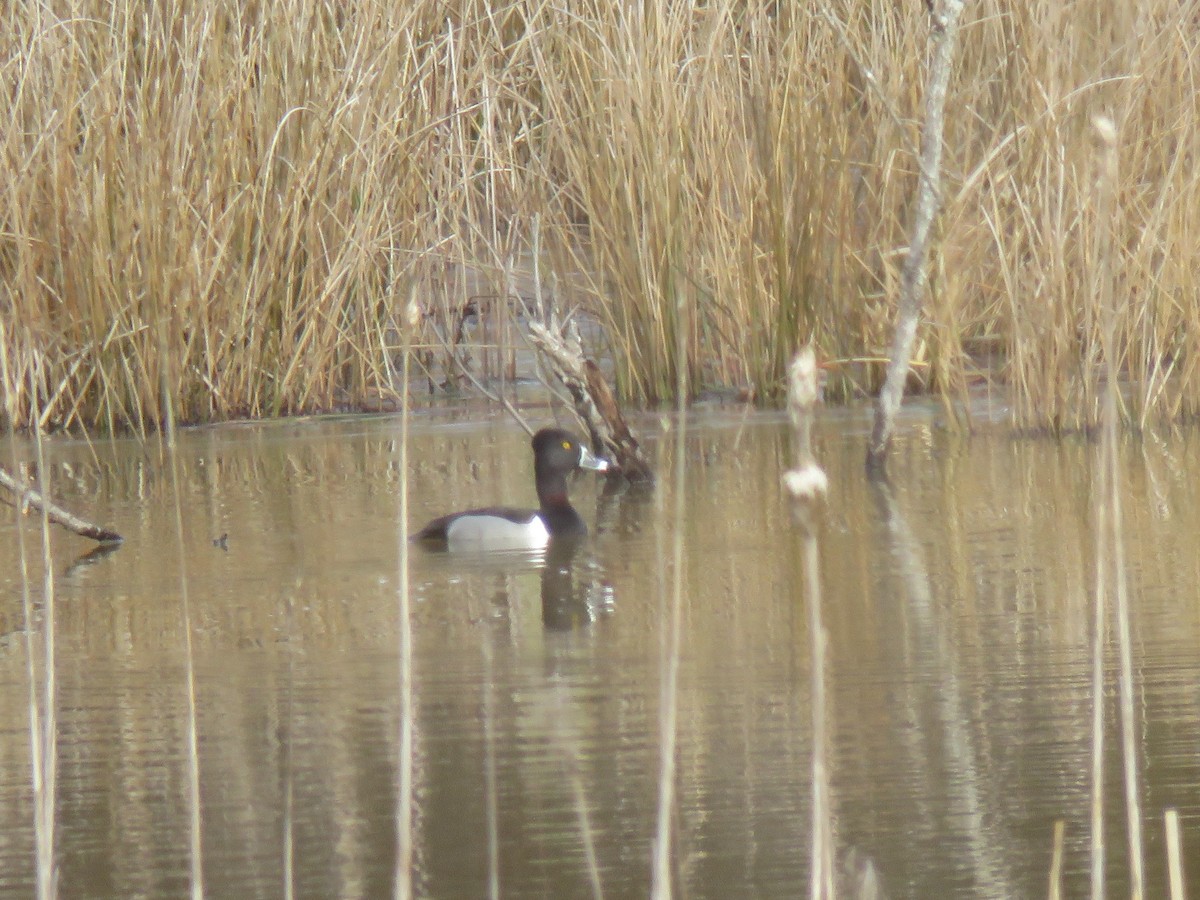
point(957, 604)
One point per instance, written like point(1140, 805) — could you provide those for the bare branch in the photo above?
point(594, 400)
point(27, 497)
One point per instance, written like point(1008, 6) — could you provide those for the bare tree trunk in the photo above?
point(944, 16)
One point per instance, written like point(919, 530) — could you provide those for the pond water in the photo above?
point(957, 604)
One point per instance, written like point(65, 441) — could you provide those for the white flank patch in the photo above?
point(496, 533)
point(809, 482)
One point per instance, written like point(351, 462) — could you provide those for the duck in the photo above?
point(556, 454)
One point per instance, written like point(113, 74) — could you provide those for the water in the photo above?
point(957, 604)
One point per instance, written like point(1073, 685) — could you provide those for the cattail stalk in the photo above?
point(807, 485)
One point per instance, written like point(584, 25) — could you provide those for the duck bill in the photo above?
point(588, 460)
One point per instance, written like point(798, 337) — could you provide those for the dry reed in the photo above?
point(1107, 273)
point(572, 755)
point(402, 886)
point(195, 818)
point(43, 831)
point(43, 685)
point(1055, 891)
point(661, 885)
point(289, 743)
point(267, 179)
point(1174, 854)
point(1111, 576)
point(47, 797)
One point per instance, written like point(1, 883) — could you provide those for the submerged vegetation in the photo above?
point(230, 204)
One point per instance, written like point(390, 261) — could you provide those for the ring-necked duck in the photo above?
point(556, 454)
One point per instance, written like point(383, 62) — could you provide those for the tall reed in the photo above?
point(1174, 854)
point(192, 748)
point(43, 684)
point(402, 886)
point(46, 793)
point(1111, 576)
point(1113, 565)
point(662, 883)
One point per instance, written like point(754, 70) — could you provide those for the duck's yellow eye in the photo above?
point(566, 445)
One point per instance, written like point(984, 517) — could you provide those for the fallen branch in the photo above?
point(594, 400)
point(28, 498)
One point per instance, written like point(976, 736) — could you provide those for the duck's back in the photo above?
point(490, 528)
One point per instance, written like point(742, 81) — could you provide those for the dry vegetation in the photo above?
point(230, 202)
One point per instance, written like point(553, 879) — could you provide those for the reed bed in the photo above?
point(270, 182)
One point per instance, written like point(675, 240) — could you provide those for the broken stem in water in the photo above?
point(806, 483)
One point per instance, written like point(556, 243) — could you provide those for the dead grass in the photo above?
point(270, 182)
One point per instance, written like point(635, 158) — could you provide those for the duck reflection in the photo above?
point(571, 582)
point(575, 587)
point(575, 592)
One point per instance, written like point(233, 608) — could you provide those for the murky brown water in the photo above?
point(958, 613)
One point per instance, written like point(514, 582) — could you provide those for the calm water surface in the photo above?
point(957, 604)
